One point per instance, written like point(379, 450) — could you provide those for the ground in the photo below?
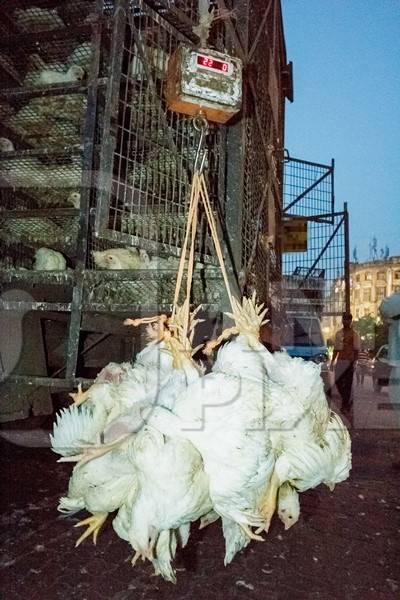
point(345, 545)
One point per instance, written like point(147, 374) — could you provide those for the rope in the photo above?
point(214, 234)
point(198, 191)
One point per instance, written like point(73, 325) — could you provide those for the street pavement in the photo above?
point(345, 546)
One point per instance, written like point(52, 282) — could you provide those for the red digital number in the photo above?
point(225, 67)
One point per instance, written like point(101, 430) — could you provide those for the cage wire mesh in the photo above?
point(261, 177)
point(34, 185)
point(155, 148)
point(151, 171)
point(314, 280)
point(311, 277)
point(308, 188)
point(46, 57)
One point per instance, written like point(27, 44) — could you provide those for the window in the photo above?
point(396, 275)
point(380, 293)
point(368, 276)
point(356, 295)
point(367, 295)
point(303, 331)
point(381, 275)
point(358, 278)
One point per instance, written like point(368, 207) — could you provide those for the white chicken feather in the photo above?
point(74, 426)
point(163, 503)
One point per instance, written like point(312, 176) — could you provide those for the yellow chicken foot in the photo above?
point(249, 533)
point(136, 557)
point(268, 502)
point(79, 397)
point(92, 451)
point(94, 523)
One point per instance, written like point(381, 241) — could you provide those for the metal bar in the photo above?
point(313, 186)
point(235, 151)
point(86, 186)
point(323, 218)
point(39, 306)
point(151, 308)
point(39, 212)
point(239, 46)
point(333, 185)
point(104, 181)
point(43, 152)
point(37, 277)
point(74, 329)
point(47, 90)
point(259, 31)
point(37, 37)
point(36, 381)
point(152, 85)
point(307, 162)
point(322, 252)
point(175, 17)
point(346, 259)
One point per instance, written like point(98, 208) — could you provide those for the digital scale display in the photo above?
point(213, 64)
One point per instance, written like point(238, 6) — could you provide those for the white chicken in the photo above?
point(38, 19)
point(81, 55)
point(49, 260)
point(163, 507)
point(114, 403)
point(6, 145)
point(73, 74)
point(240, 441)
point(118, 258)
point(223, 414)
point(74, 198)
point(100, 486)
point(113, 406)
point(288, 505)
point(310, 442)
point(269, 415)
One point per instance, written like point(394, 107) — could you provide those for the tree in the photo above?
point(372, 331)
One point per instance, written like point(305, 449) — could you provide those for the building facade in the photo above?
point(370, 283)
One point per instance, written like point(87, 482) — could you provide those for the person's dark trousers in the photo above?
point(344, 380)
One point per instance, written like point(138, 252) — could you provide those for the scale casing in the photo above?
point(206, 81)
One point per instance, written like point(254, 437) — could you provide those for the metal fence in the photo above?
point(316, 279)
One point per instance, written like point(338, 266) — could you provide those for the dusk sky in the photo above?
point(346, 60)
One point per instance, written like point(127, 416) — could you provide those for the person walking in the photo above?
point(346, 348)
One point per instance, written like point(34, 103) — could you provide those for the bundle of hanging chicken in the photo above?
point(160, 444)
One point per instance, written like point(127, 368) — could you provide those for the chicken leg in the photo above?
point(249, 533)
point(268, 501)
point(79, 397)
point(94, 524)
point(146, 554)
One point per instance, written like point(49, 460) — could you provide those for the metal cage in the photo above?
point(98, 163)
point(316, 279)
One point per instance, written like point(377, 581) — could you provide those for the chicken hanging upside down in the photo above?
point(165, 444)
